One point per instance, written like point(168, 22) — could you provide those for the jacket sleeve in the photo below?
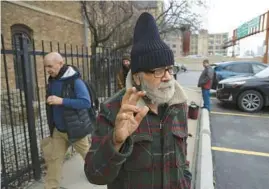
point(205, 77)
point(103, 162)
point(82, 99)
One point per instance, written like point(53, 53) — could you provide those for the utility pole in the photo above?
point(265, 58)
point(233, 42)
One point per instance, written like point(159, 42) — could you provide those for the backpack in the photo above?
point(93, 97)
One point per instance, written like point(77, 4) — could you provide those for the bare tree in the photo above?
point(112, 22)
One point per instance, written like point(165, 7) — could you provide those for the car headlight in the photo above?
point(237, 83)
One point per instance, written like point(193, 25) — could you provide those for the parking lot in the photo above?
point(239, 143)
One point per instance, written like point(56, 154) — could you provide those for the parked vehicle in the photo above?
point(224, 70)
point(182, 67)
point(250, 93)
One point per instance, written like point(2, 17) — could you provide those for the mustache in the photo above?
point(166, 84)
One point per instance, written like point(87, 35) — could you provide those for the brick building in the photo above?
point(56, 22)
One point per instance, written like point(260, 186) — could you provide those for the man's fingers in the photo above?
point(127, 108)
point(140, 115)
point(127, 94)
point(135, 97)
point(123, 116)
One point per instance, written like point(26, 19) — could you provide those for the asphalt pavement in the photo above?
point(239, 143)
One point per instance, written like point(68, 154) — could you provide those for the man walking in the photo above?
point(205, 82)
point(121, 76)
point(68, 102)
point(141, 133)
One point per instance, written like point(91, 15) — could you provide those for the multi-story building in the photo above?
point(174, 41)
point(203, 43)
point(194, 44)
point(215, 43)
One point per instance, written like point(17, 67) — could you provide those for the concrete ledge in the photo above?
point(204, 177)
point(205, 124)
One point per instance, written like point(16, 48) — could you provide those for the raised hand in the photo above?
point(129, 116)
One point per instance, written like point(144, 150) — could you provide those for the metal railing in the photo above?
point(23, 112)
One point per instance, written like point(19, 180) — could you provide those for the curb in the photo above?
point(204, 176)
point(196, 150)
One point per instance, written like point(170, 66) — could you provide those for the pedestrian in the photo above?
point(205, 82)
point(68, 102)
point(141, 133)
point(121, 76)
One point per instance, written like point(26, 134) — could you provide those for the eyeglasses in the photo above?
point(160, 72)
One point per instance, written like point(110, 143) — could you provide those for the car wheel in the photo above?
point(250, 101)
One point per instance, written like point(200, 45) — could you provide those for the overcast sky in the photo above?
point(226, 15)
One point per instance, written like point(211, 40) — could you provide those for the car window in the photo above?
point(238, 68)
point(263, 74)
point(227, 68)
point(257, 68)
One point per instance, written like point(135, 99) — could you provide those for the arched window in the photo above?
point(18, 32)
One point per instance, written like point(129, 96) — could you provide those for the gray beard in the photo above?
point(160, 95)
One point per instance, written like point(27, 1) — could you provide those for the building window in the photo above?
point(174, 46)
point(18, 32)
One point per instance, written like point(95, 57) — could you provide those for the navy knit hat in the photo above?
point(149, 51)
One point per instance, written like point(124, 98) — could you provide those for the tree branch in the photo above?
point(125, 45)
point(116, 26)
point(91, 26)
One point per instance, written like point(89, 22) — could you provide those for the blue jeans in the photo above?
point(206, 98)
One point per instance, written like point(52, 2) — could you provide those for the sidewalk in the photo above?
point(73, 174)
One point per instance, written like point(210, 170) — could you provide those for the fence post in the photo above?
point(28, 86)
point(109, 73)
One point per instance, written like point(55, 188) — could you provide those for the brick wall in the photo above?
point(50, 21)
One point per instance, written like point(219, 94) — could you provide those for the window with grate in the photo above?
point(20, 32)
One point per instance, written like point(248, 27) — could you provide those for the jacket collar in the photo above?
point(178, 97)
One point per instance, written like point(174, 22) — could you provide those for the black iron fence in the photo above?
point(23, 115)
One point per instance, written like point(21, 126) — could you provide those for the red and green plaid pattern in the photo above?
point(154, 157)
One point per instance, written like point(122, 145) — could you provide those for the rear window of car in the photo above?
point(258, 67)
point(238, 68)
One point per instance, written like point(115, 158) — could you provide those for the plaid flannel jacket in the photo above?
point(153, 157)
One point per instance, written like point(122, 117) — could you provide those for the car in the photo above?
point(224, 70)
point(181, 67)
point(250, 93)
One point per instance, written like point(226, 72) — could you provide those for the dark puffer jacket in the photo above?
point(73, 116)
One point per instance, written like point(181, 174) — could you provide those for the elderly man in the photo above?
point(68, 102)
point(140, 138)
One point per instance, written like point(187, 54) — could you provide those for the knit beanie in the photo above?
point(126, 57)
point(148, 50)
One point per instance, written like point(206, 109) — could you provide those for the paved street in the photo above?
point(239, 143)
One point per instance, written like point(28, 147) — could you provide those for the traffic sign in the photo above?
point(248, 28)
